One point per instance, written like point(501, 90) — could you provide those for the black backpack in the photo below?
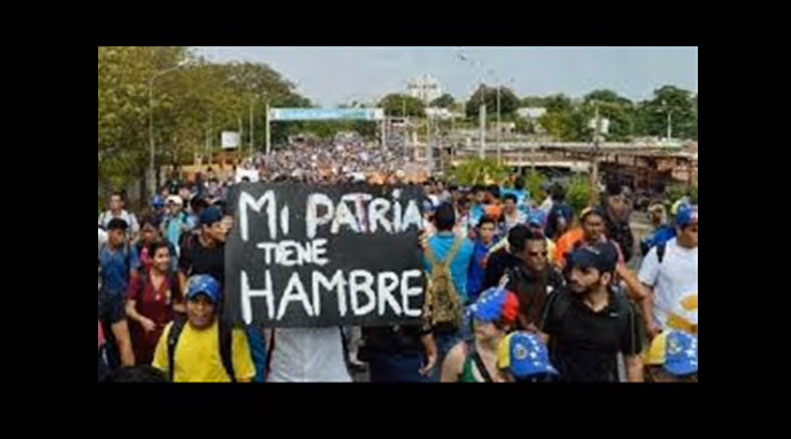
point(660, 251)
point(224, 332)
point(627, 318)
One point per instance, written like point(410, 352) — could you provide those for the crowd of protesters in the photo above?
point(521, 287)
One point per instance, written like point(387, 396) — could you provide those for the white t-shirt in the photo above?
point(131, 220)
point(672, 280)
point(308, 355)
point(102, 238)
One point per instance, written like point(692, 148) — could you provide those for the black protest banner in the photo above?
point(310, 256)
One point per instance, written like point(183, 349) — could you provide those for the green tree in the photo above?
point(652, 114)
point(123, 83)
point(534, 101)
point(190, 105)
point(533, 182)
point(618, 109)
point(395, 104)
point(488, 95)
point(444, 101)
point(579, 193)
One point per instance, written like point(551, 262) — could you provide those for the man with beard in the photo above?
point(587, 324)
point(533, 280)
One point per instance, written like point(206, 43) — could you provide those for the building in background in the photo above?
point(426, 88)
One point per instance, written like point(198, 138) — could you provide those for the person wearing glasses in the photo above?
point(533, 279)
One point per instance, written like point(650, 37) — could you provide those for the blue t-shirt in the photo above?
point(441, 244)
point(477, 270)
point(115, 269)
point(173, 231)
point(476, 213)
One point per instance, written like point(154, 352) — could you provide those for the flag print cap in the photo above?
point(524, 355)
point(495, 304)
point(676, 351)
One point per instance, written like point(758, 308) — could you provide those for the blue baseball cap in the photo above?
point(210, 215)
point(681, 357)
point(686, 216)
point(204, 284)
point(158, 202)
point(525, 355)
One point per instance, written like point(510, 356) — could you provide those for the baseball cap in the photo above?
point(117, 223)
point(495, 304)
point(210, 215)
point(524, 355)
point(602, 256)
point(687, 215)
point(204, 284)
point(158, 202)
point(676, 351)
point(175, 199)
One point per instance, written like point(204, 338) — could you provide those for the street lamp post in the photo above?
point(481, 108)
point(151, 169)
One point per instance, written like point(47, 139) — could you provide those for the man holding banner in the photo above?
point(306, 260)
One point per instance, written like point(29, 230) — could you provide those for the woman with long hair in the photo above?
point(149, 307)
point(474, 360)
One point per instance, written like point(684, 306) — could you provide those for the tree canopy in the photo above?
point(395, 104)
point(444, 101)
point(488, 95)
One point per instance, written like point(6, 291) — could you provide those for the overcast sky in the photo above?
point(334, 75)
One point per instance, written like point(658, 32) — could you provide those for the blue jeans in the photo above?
point(397, 368)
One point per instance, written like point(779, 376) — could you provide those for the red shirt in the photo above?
point(155, 305)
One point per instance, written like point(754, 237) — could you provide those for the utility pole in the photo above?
point(252, 127)
point(268, 129)
point(595, 158)
point(241, 135)
point(669, 126)
point(499, 127)
point(210, 143)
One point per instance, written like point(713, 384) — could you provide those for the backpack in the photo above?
point(627, 318)
point(662, 235)
point(660, 251)
point(255, 340)
point(225, 336)
point(258, 351)
point(442, 308)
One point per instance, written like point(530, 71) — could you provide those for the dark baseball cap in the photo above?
point(117, 223)
point(602, 256)
point(210, 215)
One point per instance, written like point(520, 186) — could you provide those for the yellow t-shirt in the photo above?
point(197, 356)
